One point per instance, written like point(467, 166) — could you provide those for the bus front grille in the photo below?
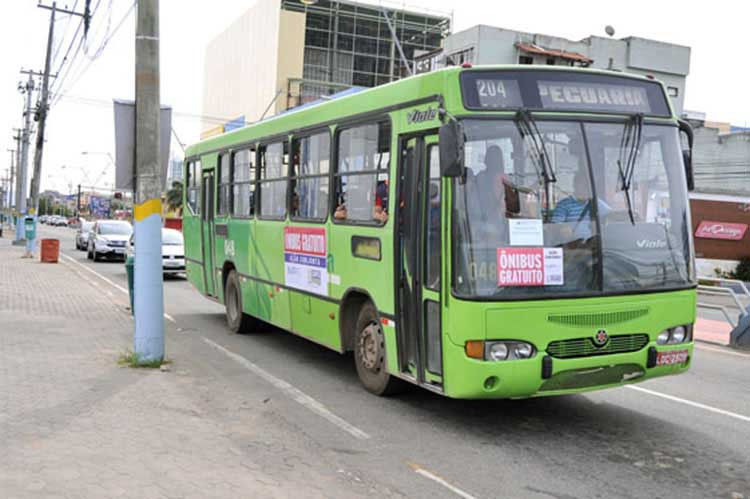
point(585, 347)
point(597, 319)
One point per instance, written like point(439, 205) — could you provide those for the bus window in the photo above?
point(432, 266)
point(274, 160)
point(243, 183)
point(362, 175)
point(311, 158)
point(193, 185)
point(225, 176)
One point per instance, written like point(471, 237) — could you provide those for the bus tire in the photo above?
point(369, 354)
point(237, 321)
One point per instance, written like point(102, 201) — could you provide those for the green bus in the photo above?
point(486, 232)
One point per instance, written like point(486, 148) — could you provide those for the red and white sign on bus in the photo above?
point(529, 266)
point(721, 230)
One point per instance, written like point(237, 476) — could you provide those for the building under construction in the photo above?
point(284, 53)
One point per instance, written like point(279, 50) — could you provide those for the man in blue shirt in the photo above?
point(576, 208)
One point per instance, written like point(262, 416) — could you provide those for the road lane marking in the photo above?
point(691, 403)
point(721, 350)
point(427, 474)
point(296, 394)
point(109, 281)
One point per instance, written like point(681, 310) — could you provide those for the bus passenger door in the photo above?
point(418, 261)
point(207, 231)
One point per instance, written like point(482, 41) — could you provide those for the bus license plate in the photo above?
point(670, 358)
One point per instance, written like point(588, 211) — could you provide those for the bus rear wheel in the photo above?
point(237, 321)
point(369, 354)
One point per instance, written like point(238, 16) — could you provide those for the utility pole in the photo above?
point(22, 140)
point(149, 292)
point(9, 191)
point(78, 203)
point(42, 109)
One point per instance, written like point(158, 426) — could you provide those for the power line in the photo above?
point(62, 40)
point(111, 35)
point(103, 103)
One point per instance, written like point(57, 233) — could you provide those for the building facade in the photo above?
point(283, 53)
point(481, 44)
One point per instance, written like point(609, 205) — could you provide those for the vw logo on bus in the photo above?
point(600, 338)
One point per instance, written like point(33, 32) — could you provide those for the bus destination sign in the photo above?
point(498, 94)
point(487, 90)
point(593, 96)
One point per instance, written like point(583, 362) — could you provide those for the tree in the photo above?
point(174, 197)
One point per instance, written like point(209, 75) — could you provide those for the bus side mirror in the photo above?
point(687, 154)
point(452, 149)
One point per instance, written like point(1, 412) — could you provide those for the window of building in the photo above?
point(525, 59)
point(311, 158)
point(192, 184)
point(551, 61)
point(225, 188)
point(461, 57)
point(243, 183)
point(274, 163)
point(361, 177)
point(673, 91)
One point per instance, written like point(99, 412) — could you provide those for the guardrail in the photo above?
point(740, 334)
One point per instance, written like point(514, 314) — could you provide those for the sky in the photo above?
point(81, 118)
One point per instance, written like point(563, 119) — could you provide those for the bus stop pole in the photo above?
point(148, 288)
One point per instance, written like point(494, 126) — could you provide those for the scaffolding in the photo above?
point(350, 44)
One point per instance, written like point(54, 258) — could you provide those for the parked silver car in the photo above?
point(82, 235)
point(109, 238)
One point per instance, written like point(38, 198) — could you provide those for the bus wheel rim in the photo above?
point(371, 347)
point(232, 303)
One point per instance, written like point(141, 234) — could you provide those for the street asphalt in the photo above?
point(683, 436)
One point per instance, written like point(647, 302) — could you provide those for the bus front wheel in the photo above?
point(238, 321)
point(369, 354)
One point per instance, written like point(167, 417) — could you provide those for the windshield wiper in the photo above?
point(630, 146)
point(530, 133)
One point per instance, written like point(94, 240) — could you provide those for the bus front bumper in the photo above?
point(535, 377)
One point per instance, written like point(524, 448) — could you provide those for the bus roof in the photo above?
point(415, 89)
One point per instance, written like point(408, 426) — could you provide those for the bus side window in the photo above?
point(272, 185)
point(311, 158)
point(361, 178)
point(243, 182)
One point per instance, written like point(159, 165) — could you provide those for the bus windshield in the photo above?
point(577, 209)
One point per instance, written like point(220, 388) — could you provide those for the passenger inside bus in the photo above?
point(492, 196)
point(379, 208)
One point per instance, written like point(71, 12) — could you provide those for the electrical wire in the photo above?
point(111, 35)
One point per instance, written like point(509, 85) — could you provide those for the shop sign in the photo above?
point(721, 230)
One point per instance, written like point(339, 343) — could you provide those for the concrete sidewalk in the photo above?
point(74, 424)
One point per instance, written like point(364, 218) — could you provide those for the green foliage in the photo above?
point(742, 271)
point(174, 196)
point(130, 359)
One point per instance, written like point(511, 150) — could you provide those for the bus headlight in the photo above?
point(663, 337)
point(678, 334)
point(497, 351)
point(508, 350)
point(675, 335)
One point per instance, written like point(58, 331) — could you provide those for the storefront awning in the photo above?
point(531, 48)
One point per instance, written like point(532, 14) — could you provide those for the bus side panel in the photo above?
point(366, 272)
point(267, 264)
point(316, 319)
point(191, 230)
point(238, 252)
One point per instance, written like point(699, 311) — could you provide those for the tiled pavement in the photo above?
point(73, 424)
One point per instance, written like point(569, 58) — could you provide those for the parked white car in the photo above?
point(109, 238)
point(172, 251)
